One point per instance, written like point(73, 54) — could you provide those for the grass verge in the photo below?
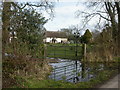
point(35, 83)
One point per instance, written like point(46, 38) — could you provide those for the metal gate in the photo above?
point(73, 71)
point(64, 51)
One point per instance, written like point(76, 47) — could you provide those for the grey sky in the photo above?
point(65, 16)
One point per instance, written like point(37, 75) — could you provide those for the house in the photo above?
point(55, 37)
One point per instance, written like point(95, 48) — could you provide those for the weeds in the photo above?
point(100, 78)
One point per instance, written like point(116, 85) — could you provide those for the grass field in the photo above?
point(66, 51)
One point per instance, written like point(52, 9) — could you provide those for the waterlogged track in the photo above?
point(70, 71)
point(112, 83)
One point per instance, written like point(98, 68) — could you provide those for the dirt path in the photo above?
point(112, 83)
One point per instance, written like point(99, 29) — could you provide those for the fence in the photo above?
point(66, 72)
point(64, 51)
point(74, 71)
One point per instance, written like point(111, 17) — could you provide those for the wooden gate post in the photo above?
point(84, 52)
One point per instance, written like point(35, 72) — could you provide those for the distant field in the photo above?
point(67, 51)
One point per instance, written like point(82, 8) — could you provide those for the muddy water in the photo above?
point(72, 71)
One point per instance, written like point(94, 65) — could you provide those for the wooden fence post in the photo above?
point(84, 52)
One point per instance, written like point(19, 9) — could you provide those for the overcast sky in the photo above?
point(65, 16)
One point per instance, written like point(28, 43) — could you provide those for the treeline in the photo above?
point(74, 35)
point(103, 48)
point(106, 43)
point(100, 43)
point(22, 41)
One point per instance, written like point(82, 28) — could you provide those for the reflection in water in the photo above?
point(83, 70)
point(71, 71)
point(76, 78)
point(75, 71)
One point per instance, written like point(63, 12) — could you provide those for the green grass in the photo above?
point(101, 77)
point(64, 51)
point(35, 83)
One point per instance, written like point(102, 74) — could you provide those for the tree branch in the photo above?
point(99, 15)
point(102, 16)
point(15, 5)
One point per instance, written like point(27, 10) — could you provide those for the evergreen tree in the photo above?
point(86, 38)
point(28, 24)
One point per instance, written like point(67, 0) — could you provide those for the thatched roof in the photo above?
point(55, 34)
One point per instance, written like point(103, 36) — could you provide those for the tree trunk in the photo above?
point(111, 13)
point(6, 23)
point(118, 34)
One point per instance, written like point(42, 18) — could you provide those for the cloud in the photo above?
point(41, 0)
point(70, 0)
point(64, 16)
point(69, 8)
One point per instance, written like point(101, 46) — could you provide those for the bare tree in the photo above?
point(110, 12)
point(117, 4)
